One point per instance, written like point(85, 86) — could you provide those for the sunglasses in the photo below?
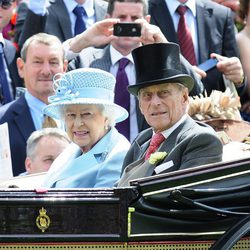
point(6, 4)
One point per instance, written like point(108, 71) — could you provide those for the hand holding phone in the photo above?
point(209, 64)
point(127, 29)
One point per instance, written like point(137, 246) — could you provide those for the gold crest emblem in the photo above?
point(43, 220)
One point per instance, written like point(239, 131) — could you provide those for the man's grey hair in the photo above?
point(42, 38)
point(37, 135)
point(107, 112)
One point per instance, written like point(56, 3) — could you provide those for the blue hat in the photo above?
point(84, 86)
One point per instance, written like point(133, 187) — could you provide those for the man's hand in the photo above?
point(231, 67)
point(150, 33)
point(100, 33)
point(232, 4)
point(38, 6)
point(200, 73)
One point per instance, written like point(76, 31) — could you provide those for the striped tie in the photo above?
point(185, 37)
point(155, 142)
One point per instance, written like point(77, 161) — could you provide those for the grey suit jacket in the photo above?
point(215, 34)
point(191, 144)
point(56, 21)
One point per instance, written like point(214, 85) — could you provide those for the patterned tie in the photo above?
point(80, 26)
point(122, 96)
point(155, 142)
point(185, 37)
point(3, 79)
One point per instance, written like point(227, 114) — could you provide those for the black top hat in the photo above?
point(157, 64)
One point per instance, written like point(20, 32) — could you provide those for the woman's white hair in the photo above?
point(106, 111)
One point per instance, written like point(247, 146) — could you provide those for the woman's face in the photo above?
point(85, 124)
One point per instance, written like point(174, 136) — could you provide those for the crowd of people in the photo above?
point(120, 99)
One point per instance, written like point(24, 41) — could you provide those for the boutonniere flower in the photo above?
point(156, 157)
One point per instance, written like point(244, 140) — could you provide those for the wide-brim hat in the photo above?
point(84, 86)
point(157, 64)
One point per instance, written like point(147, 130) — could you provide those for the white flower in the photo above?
point(156, 157)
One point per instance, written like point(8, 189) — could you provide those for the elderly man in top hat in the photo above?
point(162, 90)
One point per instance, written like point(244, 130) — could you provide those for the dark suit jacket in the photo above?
point(100, 58)
point(10, 58)
point(215, 34)
point(20, 125)
point(21, 11)
point(56, 22)
point(190, 144)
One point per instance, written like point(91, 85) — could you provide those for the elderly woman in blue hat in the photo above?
point(84, 101)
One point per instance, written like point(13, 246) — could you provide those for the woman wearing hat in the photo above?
point(84, 101)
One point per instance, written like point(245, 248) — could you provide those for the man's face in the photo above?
point(127, 12)
point(42, 63)
point(5, 14)
point(163, 105)
point(48, 148)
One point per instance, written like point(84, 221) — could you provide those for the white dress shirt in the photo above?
point(190, 17)
point(88, 5)
point(130, 70)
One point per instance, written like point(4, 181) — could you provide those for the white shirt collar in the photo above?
point(166, 133)
point(173, 5)
point(116, 56)
point(88, 6)
point(2, 39)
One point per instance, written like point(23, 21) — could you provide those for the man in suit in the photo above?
point(43, 147)
point(162, 90)
point(58, 18)
point(212, 29)
point(120, 47)
point(8, 57)
point(41, 58)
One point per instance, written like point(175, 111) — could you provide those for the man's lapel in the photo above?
point(204, 24)
point(163, 19)
point(102, 60)
point(63, 18)
point(23, 118)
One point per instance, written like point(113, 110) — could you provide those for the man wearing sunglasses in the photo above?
point(9, 78)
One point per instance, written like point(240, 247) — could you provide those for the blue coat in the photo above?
point(99, 167)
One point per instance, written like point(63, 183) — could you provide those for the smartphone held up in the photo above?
point(127, 29)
